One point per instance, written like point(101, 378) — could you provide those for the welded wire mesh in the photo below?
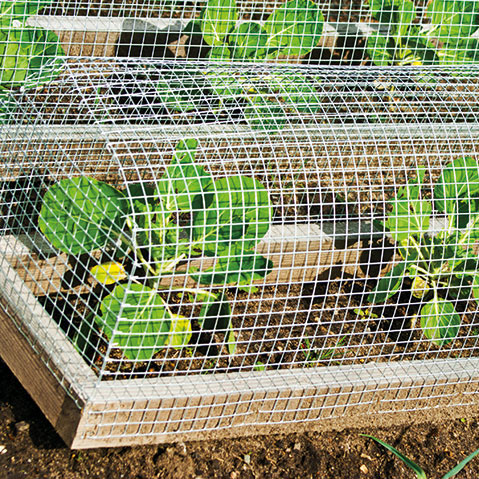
point(285, 191)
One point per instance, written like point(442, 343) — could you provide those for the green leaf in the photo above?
point(440, 321)
point(461, 465)
point(455, 18)
point(457, 190)
point(220, 54)
point(79, 215)
point(237, 210)
point(388, 284)
point(218, 18)
point(11, 10)
point(248, 41)
point(183, 180)
point(410, 214)
point(180, 331)
point(294, 28)
point(29, 57)
point(420, 474)
point(408, 217)
point(379, 49)
point(108, 273)
point(236, 267)
point(136, 319)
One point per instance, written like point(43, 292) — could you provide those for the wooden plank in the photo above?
point(40, 356)
point(233, 404)
point(299, 252)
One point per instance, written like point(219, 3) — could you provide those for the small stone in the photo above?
point(247, 458)
point(3, 449)
point(297, 446)
point(364, 469)
point(22, 426)
point(181, 446)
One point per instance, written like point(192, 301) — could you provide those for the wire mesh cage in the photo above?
point(267, 214)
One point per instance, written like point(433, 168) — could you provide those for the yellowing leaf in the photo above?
point(108, 273)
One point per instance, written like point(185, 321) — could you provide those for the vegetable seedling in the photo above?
point(442, 264)
point(446, 38)
point(29, 57)
point(293, 29)
point(151, 232)
point(420, 474)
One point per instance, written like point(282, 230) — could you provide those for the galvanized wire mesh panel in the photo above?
point(273, 221)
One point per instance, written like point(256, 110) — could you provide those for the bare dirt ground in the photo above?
point(30, 448)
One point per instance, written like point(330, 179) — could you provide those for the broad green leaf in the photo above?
point(455, 18)
point(45, 60)
point(457, 190)
point(79, 215)
point(406, 13)
point(180, 331)
point(29, 57)
point(440, 321)
point(410, 214)
point(183, 180)
point(238, 210)
point(248, 41)
point(136, 319)
point(108, 273)
point(220, 54)
point(461, 465)
point(379, 49)
point(408, 217)
point(11, 10)
point(236, 267)
point(420, 474)
point(388, 284)
point(218, 18)
point(294, 28)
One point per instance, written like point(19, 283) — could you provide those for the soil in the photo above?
point(30, 448)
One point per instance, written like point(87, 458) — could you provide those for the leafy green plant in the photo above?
point(314, 355)
point(187, 214)
point(293, 29)
point(266, 99)
point(442, 264)
point(446, 38)
point(29, 57)
point(420, 474)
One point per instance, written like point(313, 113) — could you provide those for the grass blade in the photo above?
point(419, 472)
point(461, 465)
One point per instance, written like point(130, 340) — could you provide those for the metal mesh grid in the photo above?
point(244, 225)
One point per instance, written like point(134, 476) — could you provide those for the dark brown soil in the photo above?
point(30, 448)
